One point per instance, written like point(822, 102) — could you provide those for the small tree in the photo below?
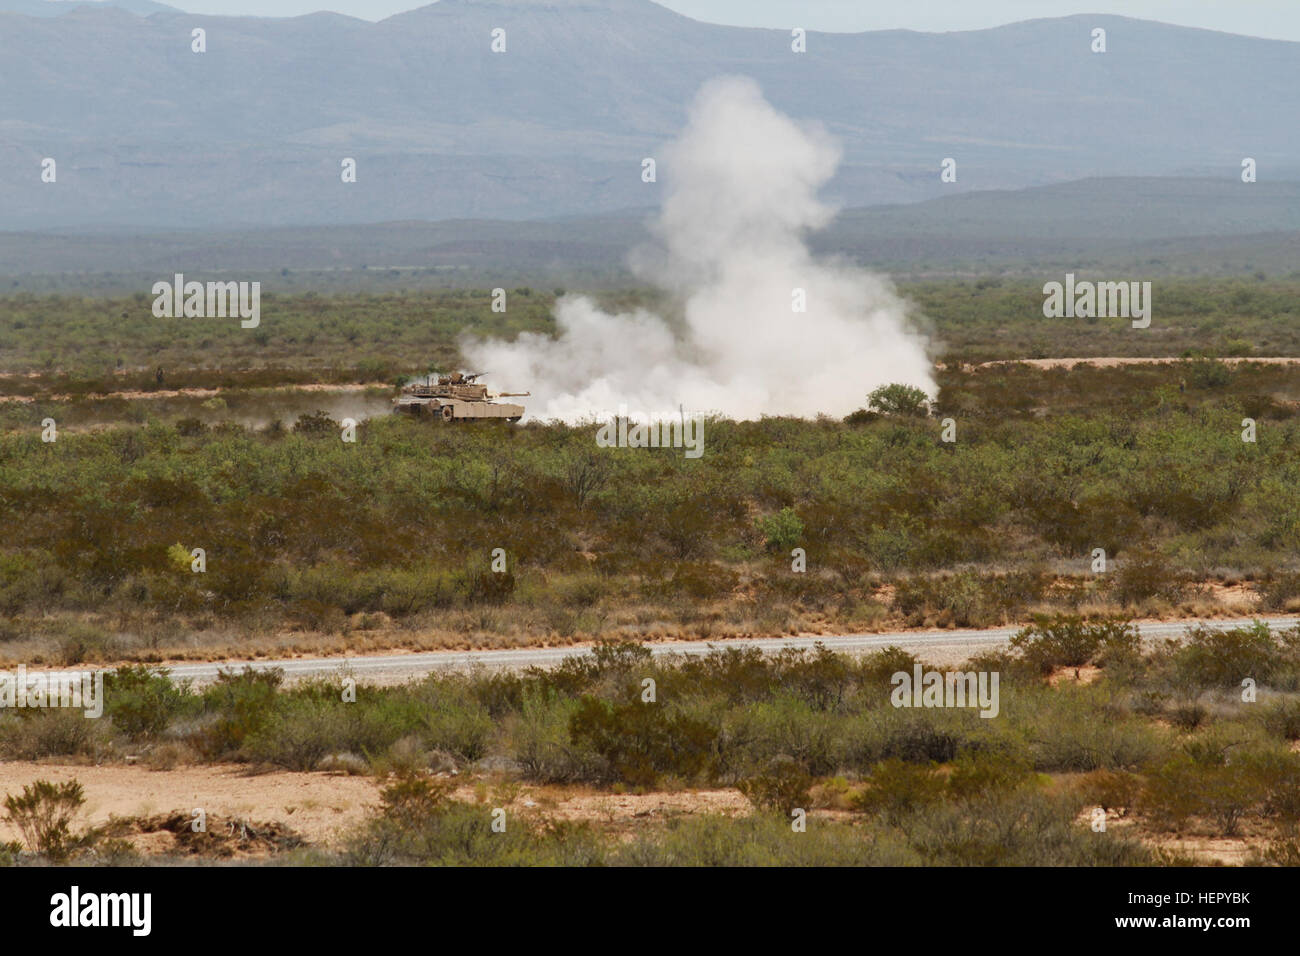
point(898, 399)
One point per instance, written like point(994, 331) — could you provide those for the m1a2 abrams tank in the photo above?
point(457, 397)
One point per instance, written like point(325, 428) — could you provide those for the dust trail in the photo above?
point(742, 183)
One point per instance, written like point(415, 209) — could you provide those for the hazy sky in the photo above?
point(1265, 18)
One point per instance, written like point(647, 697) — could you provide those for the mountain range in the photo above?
point(147, 134)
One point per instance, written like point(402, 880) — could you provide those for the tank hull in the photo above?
point(454, 410)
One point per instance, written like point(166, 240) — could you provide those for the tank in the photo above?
point(457, 397)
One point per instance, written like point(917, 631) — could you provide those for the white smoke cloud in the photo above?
point(742, 183)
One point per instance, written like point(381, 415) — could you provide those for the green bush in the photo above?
point(238, 705)
point(44, 813)
point(142, 700)
point(1146, 574)
point(982, 774)
point(781, 531)
point(898, 399)
point(897, 787)
point(1069, 641)
point(1208, 657)
point(782, 789)
point(1282, 718)
point(639, 741)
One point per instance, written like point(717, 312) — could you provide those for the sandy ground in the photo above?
point(322, 807)
point(317, 806)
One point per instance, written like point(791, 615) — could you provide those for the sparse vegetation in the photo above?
point(389, 541)
point(785, 730)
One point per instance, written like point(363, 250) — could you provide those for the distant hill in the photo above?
point(251, 133)
point(1149, 226)
point(56, 8)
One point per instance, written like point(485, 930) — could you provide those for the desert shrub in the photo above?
point(781, 531)
point(820, 678)
point(82, 641)
point(141, 700)
point(1188, 715)
point(696, 580)
point(860, 417)
point(454, 721)
point(1282, 718)
point(1012, 668)
point(1283, 852)
point(619, 656)
point(914, 736)
point(1015, 590)
point(1223, 792)
point(300, 734)
point(639, 741)
point(784, 727)
point(489, 587)
point(537, 738)
point(1209, 657)
point(1276, 772)
point(500, 693)
point(1208, 373)
point(402, 592)
point(978, 774)
point(316, 423)
point(239, 706)
point(1069, 641)
point(44, 813)
point(420, 827)
point(1226, 795)
point(960, 599)
point(877, 669)
point(1146, 574)
point(782, 788)
point(734, 675)
point(53, 732)
point(1115, 791)
point(410, 799)
point(1017, 828)
point(311, 722)
point(764, 840)
point(897, 787)
point(1072, 730)
point(1278, 590)
point(583, 591)
point(1101, 519)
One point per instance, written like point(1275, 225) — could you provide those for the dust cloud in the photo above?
point(729, 248)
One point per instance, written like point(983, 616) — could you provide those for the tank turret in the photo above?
point(457, 397)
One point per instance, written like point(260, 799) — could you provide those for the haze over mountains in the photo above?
point(1152, 226)
point(231, 158)
point(147, 133)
